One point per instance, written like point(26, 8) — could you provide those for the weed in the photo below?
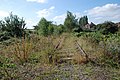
point(22, 49)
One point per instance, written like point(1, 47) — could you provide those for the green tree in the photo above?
point(2, 25)
point(51, 28)
point(43, 27)
point(62, 28)
point(83, 21)
point(70, 21)
point(57, 30)
point(36, 27)
point(13, 25)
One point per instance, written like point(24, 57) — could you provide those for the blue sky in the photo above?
point(97, 11)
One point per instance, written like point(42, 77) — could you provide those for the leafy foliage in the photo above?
point(4, 35)
point(59, 29)
point(107, 27)
point(43, 27)
point(110, 45)
point(50, 29)
point(70, 21)
point(83, 21)
point(13, 25)
point(46, 28)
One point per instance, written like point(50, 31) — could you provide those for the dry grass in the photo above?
point(78, 59)
point(93, 50)
point(20, 50)
point(36, 54)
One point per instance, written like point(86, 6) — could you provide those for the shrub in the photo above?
point(13, 25)
point(22, 49)
point(107, 27)
point(4, 36)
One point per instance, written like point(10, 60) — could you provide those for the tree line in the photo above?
point(74, 24)
point(14, 26)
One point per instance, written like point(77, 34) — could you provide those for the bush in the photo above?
point(13, 25)
point(107, 27)
point(95, 37)
point(4, 36)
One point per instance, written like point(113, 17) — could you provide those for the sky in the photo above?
point(32, 11)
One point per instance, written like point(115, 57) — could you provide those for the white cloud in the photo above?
point(78, 15)
point(52, 7)
point(107, 12)
point(3, 14)
point(38, 1)
point(45, 12)
point(30, 23)
point(60, 19)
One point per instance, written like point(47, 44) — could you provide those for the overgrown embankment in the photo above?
point(55, 57)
